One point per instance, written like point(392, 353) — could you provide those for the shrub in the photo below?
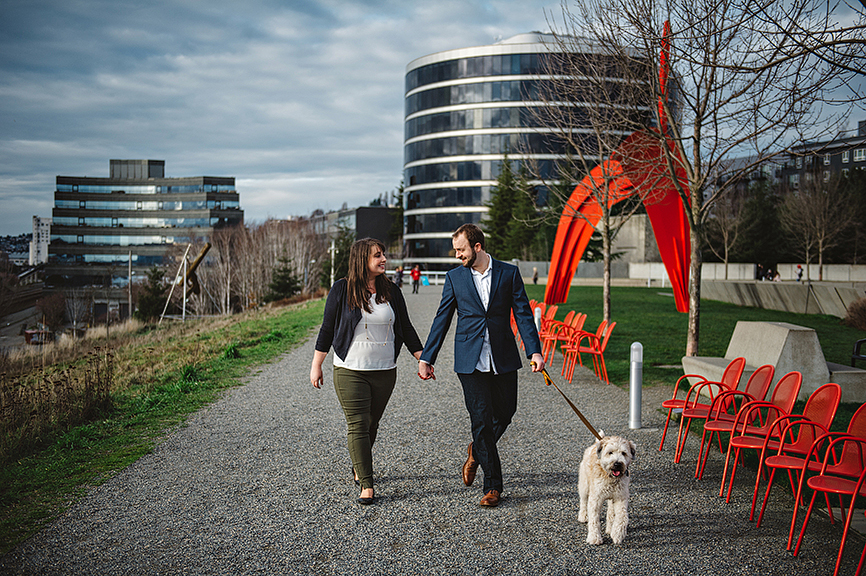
point(856, 317)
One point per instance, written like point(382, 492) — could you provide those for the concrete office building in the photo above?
point(822, 161)
point(464, 109)
point(135, 215)
point(40, 240)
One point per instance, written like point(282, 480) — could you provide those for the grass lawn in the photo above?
point(648, 316)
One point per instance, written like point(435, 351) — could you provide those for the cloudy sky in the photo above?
point(300, 101)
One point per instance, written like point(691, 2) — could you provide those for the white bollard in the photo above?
point(635, 385)
point(537, 315)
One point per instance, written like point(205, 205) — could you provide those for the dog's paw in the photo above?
point(595, 541)
point(581, 516)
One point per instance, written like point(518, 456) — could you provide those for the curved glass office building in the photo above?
point(465, 109)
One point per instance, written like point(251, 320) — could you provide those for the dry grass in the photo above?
point(50, 388)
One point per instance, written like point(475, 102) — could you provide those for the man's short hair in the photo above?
point(472, 233)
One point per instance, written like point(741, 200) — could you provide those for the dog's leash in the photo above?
point(583, 419)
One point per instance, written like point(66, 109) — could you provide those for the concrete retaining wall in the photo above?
point(819, 298)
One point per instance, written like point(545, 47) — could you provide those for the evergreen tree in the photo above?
point(285, 282)
point(151, 301)
point(499, 211)
point(521, 228)
point(761, 239)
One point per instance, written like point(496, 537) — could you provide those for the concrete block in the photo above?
point(786, 346)
point(852, 381)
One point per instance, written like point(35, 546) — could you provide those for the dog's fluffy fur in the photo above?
point(604, 477)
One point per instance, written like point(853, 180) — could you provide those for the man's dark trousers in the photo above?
point(491, 400)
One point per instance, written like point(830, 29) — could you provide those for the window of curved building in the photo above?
point(476, 170)
point(448, 222)
point(440, 197)
point(482, 118)
point(536, 143)
point(492, 65)
point(507, 91)
point(429, 248)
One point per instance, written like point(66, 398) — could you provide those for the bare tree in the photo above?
point(816, 216)
point(747, 78)
point(588, 96)
point(723, 227)
point(78, 306)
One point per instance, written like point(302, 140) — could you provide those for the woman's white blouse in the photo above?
point(372, 347)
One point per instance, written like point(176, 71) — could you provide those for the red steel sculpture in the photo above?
point(638, 166)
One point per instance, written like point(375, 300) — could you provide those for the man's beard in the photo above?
point(469, 263)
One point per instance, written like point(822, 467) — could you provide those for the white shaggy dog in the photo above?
point(604, 476)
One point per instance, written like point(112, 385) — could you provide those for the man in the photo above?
point(484, 292)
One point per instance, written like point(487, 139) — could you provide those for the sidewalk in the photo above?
point(259, 483)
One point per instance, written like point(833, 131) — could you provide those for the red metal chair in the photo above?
point(859, 491)
point(595, 347)
point(750, 419)
point(820, 408)
point(791, 455)
point(557, 332)
point(725, 407)
point(840, 473)
point(730, 379)
point(569, 349)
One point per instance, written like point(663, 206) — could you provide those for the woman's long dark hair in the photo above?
point(358, 294)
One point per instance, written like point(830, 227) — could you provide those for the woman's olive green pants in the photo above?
point(363, 396)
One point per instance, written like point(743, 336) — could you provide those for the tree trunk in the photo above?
point(693, 336)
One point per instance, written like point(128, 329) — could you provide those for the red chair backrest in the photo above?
point(731, 376)
point(608, 330)
point(577, 321)
point(857, 426)
point(786, 391)
point(569, 317)
point(822, 404)
point(821, 409)
point(759, 382)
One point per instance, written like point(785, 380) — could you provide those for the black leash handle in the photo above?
point(583, 419)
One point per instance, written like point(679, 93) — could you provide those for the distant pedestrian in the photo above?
point(799, 273)
point(398, 276)
point(416, 278)
point(367, 324)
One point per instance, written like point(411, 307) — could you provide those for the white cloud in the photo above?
point(302, 102)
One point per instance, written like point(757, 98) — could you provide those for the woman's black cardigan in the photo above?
point(339, 322)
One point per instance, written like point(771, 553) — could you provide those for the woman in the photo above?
point(367, 323)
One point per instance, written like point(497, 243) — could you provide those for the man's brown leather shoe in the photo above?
point(490, 499)
point(470, 468)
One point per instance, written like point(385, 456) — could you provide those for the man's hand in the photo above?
point(425, 371)
point(537, 362)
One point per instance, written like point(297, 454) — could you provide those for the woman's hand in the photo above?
point(316, 377)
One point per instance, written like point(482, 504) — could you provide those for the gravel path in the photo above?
point(259, 483)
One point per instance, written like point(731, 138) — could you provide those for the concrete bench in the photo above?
point(787, 347)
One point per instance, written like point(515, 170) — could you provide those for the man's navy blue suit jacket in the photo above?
point(506, 294)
